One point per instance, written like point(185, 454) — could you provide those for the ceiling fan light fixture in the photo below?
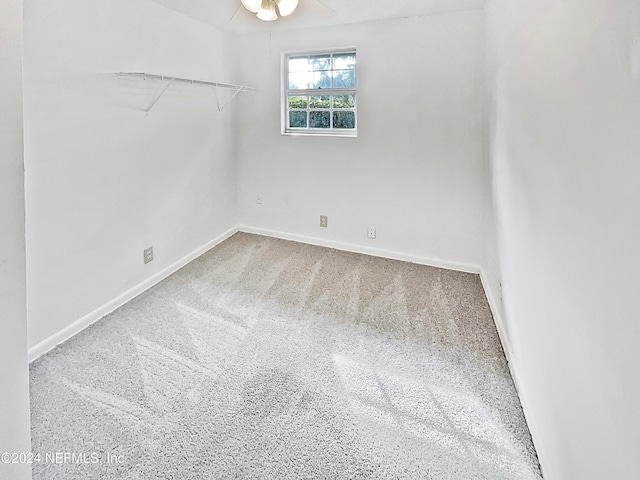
point(267, 11)
point(286, 7)
point(252, 5)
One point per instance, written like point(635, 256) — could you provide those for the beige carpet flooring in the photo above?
point(269, 359)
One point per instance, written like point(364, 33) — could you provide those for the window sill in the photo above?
point(290, 133)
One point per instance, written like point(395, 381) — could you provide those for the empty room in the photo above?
point(320, 239)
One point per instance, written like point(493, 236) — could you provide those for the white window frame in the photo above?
point(286, 92)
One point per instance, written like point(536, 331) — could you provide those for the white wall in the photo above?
point(415, 170)
point(566, 145)
point(104, 180)
point(14, 375)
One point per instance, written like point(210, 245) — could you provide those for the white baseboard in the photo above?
point(501, 328)
point(351, 247)
point(66, 333)
point(512, 363)
point(496, 311)
point(504, 338)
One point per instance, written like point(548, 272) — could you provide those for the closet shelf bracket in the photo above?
point(155, 100)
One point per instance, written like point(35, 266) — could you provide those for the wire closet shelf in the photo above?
point(150, 76)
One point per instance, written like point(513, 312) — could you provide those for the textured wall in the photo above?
point(415, 170)
point(565, 148)
point(14, 380)
point(104, 180)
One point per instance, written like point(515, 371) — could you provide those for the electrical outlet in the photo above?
point(371, 233)
point(148, 255)
point(323, 221)
point(259, 199)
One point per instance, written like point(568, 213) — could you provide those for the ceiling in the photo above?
point(229, 15)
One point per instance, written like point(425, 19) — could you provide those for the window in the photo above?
point(319, 93)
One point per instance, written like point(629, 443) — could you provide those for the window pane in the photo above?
point(344, 60)
point(320, 93)
point(298, 64)
point(320, 62)
point(344, 119)
point(298, 102)
point(320, 80)
point(298, 119)
point(298, 80)
point(319, 119)
point(344, 79)
point(344, 101)
point(320, 101)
